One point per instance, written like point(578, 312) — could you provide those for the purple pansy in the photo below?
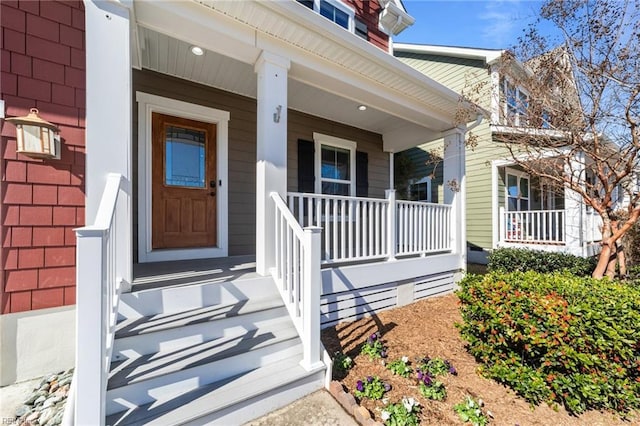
point(387, 387)
point(369, 379)
point(360, 386)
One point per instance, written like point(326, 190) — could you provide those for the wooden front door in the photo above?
point(184, 183)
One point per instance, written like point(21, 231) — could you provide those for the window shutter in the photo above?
point(306, 165)
point(362, 174)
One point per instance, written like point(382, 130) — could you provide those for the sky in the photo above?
point(489, 24)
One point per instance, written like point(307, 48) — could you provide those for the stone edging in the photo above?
point(349, 403)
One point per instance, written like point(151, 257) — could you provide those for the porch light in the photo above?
point(362, 107)
point(37, 138)
point(196, 50)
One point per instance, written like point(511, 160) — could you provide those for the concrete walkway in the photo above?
point(317, 409)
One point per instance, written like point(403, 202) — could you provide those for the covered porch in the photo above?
point(537, 214)
point(295, 124)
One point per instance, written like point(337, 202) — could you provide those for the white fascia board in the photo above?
point(487, 55)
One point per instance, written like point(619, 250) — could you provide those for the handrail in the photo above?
point(101, 269)
point(297, 276)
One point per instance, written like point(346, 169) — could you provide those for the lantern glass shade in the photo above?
point(35, 137)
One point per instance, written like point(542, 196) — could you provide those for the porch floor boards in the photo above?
point(156, 275)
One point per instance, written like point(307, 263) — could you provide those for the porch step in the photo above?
point(207, 350)
point(184, 297)
point(231, 401)
point(140, 335)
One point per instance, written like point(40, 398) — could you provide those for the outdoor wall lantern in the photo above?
point(37, 138)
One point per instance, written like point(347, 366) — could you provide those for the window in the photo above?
point(361, 29)
point(420, 190)
point(517, 191)
point(184, 157)
point(515, 104)
point(335, 165)
point(335, 11)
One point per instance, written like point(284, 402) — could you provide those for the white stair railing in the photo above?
point(533, 226)
point(297, 276)
point(100, 271)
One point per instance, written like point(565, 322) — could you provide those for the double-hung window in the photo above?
point(335, 165)
point(333, 10)
point(515, 104)
point(517, 191)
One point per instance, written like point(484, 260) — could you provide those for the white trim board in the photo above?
point(147, 104)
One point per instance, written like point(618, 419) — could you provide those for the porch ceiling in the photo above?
point(329, 82)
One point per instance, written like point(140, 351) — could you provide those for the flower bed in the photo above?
point(426, 328)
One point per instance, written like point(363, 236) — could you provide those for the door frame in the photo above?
point(148, 104)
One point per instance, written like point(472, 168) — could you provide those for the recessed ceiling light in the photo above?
point(362, 107)
point(198, 51)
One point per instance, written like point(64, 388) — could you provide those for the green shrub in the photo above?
point(513, 259)
point(556, 337)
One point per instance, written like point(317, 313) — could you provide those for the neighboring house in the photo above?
point(197, 139)
point(507, 207)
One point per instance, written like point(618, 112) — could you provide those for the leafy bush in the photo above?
point(513, 259)
point(556, 337)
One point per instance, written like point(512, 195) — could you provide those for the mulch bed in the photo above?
point(426, 328)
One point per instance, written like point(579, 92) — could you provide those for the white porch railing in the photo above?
point(357, 229)
point(297, 276)
point(533, 226)
point(100, 276)
point(423, 227)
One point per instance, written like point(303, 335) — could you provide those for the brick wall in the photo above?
point(42, 201)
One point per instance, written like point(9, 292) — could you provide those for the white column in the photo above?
point(574, 211)
point(108, 117)
point(392, 224)
point(271, 173)
point(392, 184)
point(455, 189)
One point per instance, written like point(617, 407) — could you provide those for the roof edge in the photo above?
point(487, 55)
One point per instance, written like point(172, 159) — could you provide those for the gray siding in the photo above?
point(242, 149)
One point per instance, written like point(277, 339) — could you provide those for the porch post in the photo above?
point(392, 224)
point(271, 161)
point(574, 211)
point(108, 117)
point(108, 150)
point(455, 190)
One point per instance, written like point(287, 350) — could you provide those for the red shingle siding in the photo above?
point(369, 11)
point(41, 201)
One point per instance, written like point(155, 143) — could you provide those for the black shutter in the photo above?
point(306, 164)
point(362, 174)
